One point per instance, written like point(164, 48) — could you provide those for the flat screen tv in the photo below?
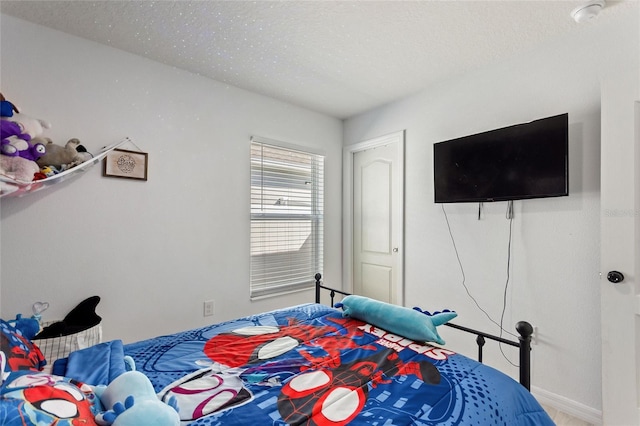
point(529, 160)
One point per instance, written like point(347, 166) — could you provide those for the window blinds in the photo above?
point(287, 197)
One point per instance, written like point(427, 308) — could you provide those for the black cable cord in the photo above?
point(506, 284)
point(464, 278)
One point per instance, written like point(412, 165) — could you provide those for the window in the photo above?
point(287, 186)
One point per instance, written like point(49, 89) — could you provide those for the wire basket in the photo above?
point(54, 348)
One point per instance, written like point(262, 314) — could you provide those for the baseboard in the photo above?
point(566, 405)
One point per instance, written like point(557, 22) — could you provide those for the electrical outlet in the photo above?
point(208, 308)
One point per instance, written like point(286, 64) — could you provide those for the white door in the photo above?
point(377, 218)
point(620, 251)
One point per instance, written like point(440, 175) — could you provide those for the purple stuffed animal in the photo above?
point(12, 138)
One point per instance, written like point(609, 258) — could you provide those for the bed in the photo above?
point(311, 365)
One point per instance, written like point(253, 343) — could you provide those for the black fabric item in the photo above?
point(84, 315)
point(56, 329)
point(81, 318)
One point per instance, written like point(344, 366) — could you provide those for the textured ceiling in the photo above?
point(336, 57)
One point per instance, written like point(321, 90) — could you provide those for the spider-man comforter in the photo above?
point(309, 365)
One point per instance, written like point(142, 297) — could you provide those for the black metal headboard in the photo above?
point(524, 329)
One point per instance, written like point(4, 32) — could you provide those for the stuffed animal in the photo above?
point(18, 168)
point(130, 400)
point(29, 327)
point(18, 130)
point(61, 156)
point(6, 108)
point(413, 324)
point(83, 153)
point(47, 399)
point(29, 125)
point(13, 142)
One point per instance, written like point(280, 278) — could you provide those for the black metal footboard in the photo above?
point(524, 329)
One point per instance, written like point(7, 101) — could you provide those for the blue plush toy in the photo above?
point(6, 108)
point(130, 400)
point(123, 396)
point(29, 327)
point(405, 322)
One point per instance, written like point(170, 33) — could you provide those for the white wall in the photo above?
point(155, 250)
point(554, 276)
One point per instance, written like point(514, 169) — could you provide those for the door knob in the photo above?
point(615, 277)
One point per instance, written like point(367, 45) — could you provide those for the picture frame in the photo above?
point(122, 163)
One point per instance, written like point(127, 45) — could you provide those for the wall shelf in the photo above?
point(13, 188)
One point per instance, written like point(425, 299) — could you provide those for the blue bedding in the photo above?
point(97, 365)
point(307, 365)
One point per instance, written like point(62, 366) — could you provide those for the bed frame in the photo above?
point(524, 329)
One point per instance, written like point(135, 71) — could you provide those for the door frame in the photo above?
point(347, 203)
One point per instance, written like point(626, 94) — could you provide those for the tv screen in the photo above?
point(523, 161)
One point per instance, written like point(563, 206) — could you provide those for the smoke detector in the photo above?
point(588, 11)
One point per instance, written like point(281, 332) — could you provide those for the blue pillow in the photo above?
point(39, 398)
point(405, 322)
point(19, 352)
